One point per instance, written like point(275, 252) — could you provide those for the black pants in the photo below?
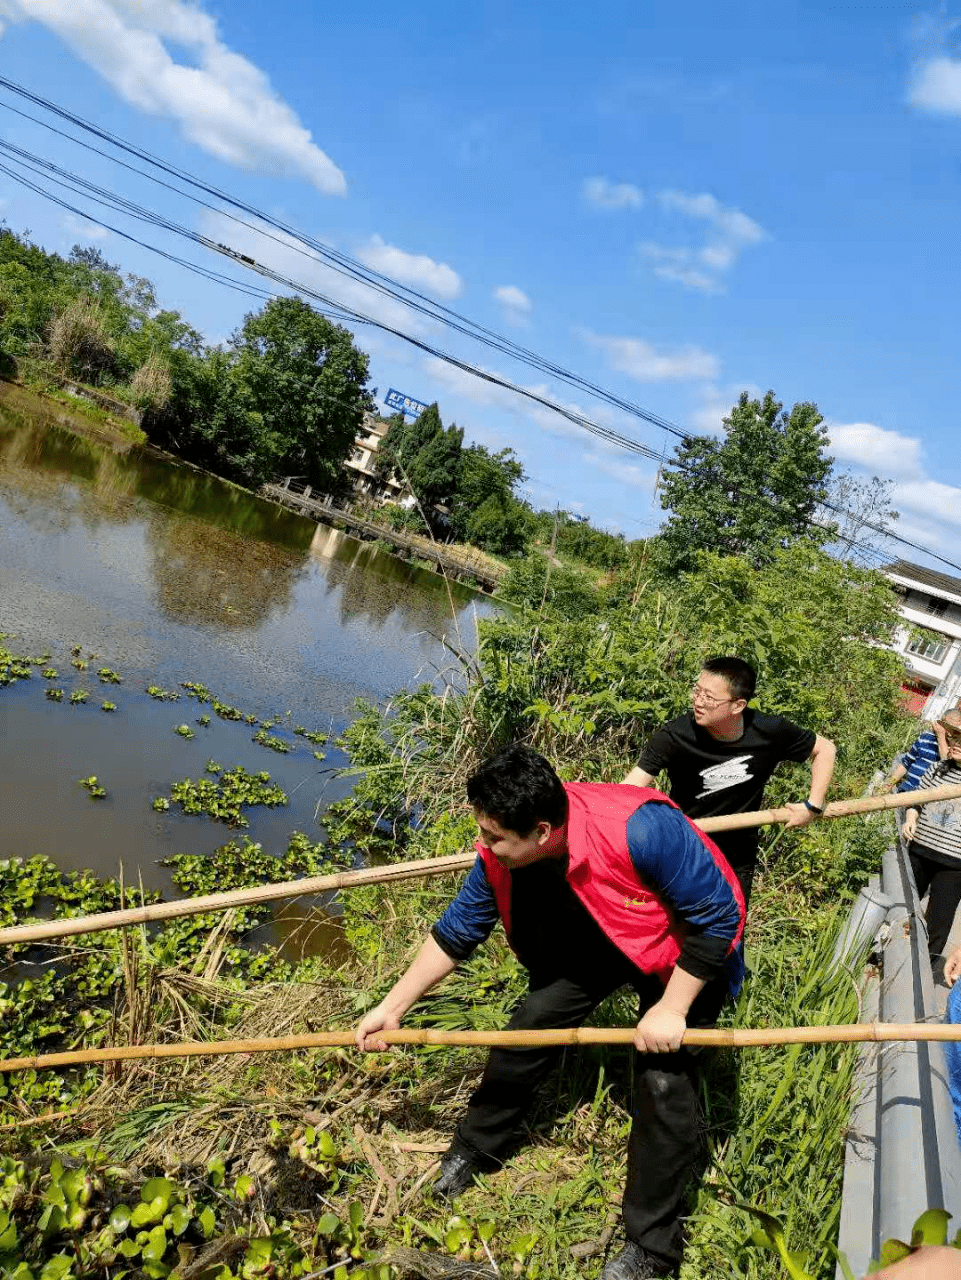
point(665, 1140)
point(943, 884)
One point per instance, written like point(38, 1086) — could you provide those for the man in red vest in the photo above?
point(597, 886)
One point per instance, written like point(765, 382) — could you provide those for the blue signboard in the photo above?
point(404, 404)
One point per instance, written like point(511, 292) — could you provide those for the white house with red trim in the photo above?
point(930, 638)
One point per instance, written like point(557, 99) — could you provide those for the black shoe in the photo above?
point(633, 1263)
point(456, 1174)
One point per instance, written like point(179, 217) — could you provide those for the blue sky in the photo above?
point(677, 201)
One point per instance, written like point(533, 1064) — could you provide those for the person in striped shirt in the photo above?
point(933, 833)
point(927, 749)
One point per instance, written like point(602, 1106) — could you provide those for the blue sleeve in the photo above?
point(907, 758)
point(669, 856)
point(470, 918)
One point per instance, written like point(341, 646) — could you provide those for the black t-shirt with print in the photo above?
point(708, 777)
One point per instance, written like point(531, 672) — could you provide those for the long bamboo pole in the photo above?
point(403, 871)
point(718, 1038)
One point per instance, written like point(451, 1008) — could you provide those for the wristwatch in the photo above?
point(813, 807)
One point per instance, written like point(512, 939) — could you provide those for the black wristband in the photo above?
point(813, 807)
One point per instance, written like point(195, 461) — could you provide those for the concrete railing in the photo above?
point(902, 1154)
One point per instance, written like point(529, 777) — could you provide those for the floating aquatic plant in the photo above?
point(162, 695)
point(161, 804)
point(79, 663)
point(194, 690)
point(107, 676)
point(96, 791)
point(108, 706)
point(265, 739)
point(204, 720)
point(49, 673)
point(224, 798)
point(76, 650)
point(185, 731)
point(55, 695)
point(213, 767)
point(310, 735)
point(79, 695)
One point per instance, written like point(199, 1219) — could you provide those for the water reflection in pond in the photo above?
point(169, 574)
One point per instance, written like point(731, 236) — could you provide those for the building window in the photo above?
point(929, 646)
point(936, 608)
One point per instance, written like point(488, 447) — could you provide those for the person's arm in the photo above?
point(952, 966)
point(671, 858)
point(430, 966)
point(897, 773)
point(639, 778)
point(822, 758)
point(937, 728)
point(655, 757)
point(468, 920)
point(662, 1027)
point(910, 824)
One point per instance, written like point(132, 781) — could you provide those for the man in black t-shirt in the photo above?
point(720, 755)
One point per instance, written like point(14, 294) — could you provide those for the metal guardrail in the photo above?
point(902, 1154)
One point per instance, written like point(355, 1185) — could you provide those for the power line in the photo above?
point(341, 262)
point(344, 265)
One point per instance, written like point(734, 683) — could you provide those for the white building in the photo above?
point(360, 462)
point(930, 638)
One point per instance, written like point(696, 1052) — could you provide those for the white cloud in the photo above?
point(674, 264)
point(603, 194)
point(621, 469)
point(702, 267)
point(876, 449)
point(414, 269)
point(936, 86)
point(515, 302)
point(81, 229)
point(223, 103)
point(643, 362)
point(290, 258)
point(717, 402)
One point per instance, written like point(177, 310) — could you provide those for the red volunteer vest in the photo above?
point(636, 919)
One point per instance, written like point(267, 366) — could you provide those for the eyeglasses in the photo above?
point(701, 695)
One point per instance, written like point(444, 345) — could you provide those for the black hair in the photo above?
point(519, 789)
point(740, 675)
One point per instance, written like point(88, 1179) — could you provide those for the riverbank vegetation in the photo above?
point(321, 1163)
point(301, 1162)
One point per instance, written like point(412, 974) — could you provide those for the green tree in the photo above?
point(304, 381)
point(487, 511)
point(753, 491)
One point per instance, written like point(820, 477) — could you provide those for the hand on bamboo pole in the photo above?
point(48, 929)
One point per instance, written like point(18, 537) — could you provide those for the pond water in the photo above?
point(169, 574)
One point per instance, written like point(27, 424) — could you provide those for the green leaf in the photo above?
point(931, 1228)
point(129, 1248)
point(179, 1219)
point(156, 1246)
point(58, 1267)
point(893, 1251)
point(144, 1214)
point(159, 1189)
point(356, 1213)
point(328, 1224)
point(244, 1187)
point(217, 1171)
point(208, 1221)
point(120, 1218)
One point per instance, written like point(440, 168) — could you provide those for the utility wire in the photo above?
point(344, 265)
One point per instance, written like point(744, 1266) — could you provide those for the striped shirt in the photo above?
point(918, 759)
point(939, 823)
